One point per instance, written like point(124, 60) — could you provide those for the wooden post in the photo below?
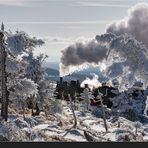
point(4, 91)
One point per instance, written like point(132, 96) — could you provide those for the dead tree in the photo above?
point(103, 112)
point(72, 109)
point(4, 91)
point(74, 115)
point(100, 95)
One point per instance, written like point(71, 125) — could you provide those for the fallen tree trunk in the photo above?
point(89, 137)
point(93, 135)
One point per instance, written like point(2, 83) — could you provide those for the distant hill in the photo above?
point(52, 65)
point(51, 71)
point(53, 74)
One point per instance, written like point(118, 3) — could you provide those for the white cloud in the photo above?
point(98, 4)
point(13, 2)
point(59, 40)
point(108, 3)
point(64, 40)
point(63, 22)
point(90, 3)
point(27, 3)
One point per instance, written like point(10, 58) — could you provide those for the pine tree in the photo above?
point(36, 73)
point(13, 66)
point(87, 95)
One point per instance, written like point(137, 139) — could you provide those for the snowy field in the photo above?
point(58, 128)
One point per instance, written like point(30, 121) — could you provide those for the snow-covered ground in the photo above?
point(57, 128)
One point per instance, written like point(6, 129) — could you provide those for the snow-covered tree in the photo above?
point(76, 101)
point(45, 96)
point(53, 106)
point(36, 73)
point(121, 103)
point(17, 44)
point(132, 100)
point(24, 89)
point(137, 125)
point(20, 42)
point(34, 69)
point(86, 95)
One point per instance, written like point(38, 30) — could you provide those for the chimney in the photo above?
point(78, 83)
point(61, 80)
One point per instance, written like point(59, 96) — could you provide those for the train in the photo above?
point(63, 88)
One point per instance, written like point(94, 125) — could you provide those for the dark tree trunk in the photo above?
point(24, 111)
point(5, 93)
point(37, 110)
point(72, 108)
point(32, 109)
point(74, 115)
point(89, 137)
point(104, 118)
point(32, 105)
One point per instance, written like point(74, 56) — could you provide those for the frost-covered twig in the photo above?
point(75, 118)
point(103, 111)
point(72, 108)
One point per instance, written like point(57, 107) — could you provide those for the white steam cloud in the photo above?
point(125, 58)
point(92, 83)
point(123, 54)
point(135, 24)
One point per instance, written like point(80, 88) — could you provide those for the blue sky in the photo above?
point(62, 22)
